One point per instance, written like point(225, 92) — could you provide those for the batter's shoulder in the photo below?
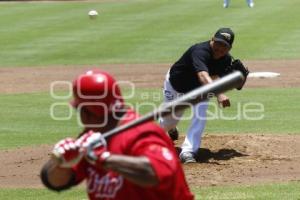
point(151, 127)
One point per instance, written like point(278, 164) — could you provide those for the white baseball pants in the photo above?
point(192, 140)
point(226, 2)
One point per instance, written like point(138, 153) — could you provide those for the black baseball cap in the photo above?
point(224, 35)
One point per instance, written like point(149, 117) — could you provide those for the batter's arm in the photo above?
point(135, 169)
point(55, 177)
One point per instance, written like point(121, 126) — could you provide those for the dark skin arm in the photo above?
point(135, 169)
point(56, 176)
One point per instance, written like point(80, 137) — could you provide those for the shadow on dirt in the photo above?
point(206, 155)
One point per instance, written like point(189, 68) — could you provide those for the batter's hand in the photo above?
point(67, 153)
point(94, 147)
point(223, 100)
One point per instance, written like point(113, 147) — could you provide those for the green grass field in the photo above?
point(26, 119)
point(142, 31)
point(259, 192)
point(145, 31)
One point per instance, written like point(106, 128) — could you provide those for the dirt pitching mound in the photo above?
point(245, 159)
point(223, 160)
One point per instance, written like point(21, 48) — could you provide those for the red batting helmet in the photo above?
point(98, 92)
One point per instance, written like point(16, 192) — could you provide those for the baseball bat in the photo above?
point(221, 85)
point(197, 95)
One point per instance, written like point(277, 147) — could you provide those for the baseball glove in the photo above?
point(239, 66)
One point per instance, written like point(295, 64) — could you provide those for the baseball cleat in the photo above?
point(251, 5)
point(173, 133)
point(187, 157)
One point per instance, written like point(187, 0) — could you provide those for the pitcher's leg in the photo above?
point(226, 4)
point(193, 138)
point(250, 3)
point(169, 122)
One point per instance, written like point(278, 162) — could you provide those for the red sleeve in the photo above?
point(79, 171)
point(163, 159)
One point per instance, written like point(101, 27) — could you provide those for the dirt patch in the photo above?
point(246, 159)
point(19, 168)
point(288, 69)
point(223, 160)
point(35, 79)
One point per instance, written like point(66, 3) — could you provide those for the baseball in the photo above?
point(93, 14)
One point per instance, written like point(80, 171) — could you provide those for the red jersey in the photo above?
point(147, 140)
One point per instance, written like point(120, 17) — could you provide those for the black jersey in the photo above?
point(199, 57)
